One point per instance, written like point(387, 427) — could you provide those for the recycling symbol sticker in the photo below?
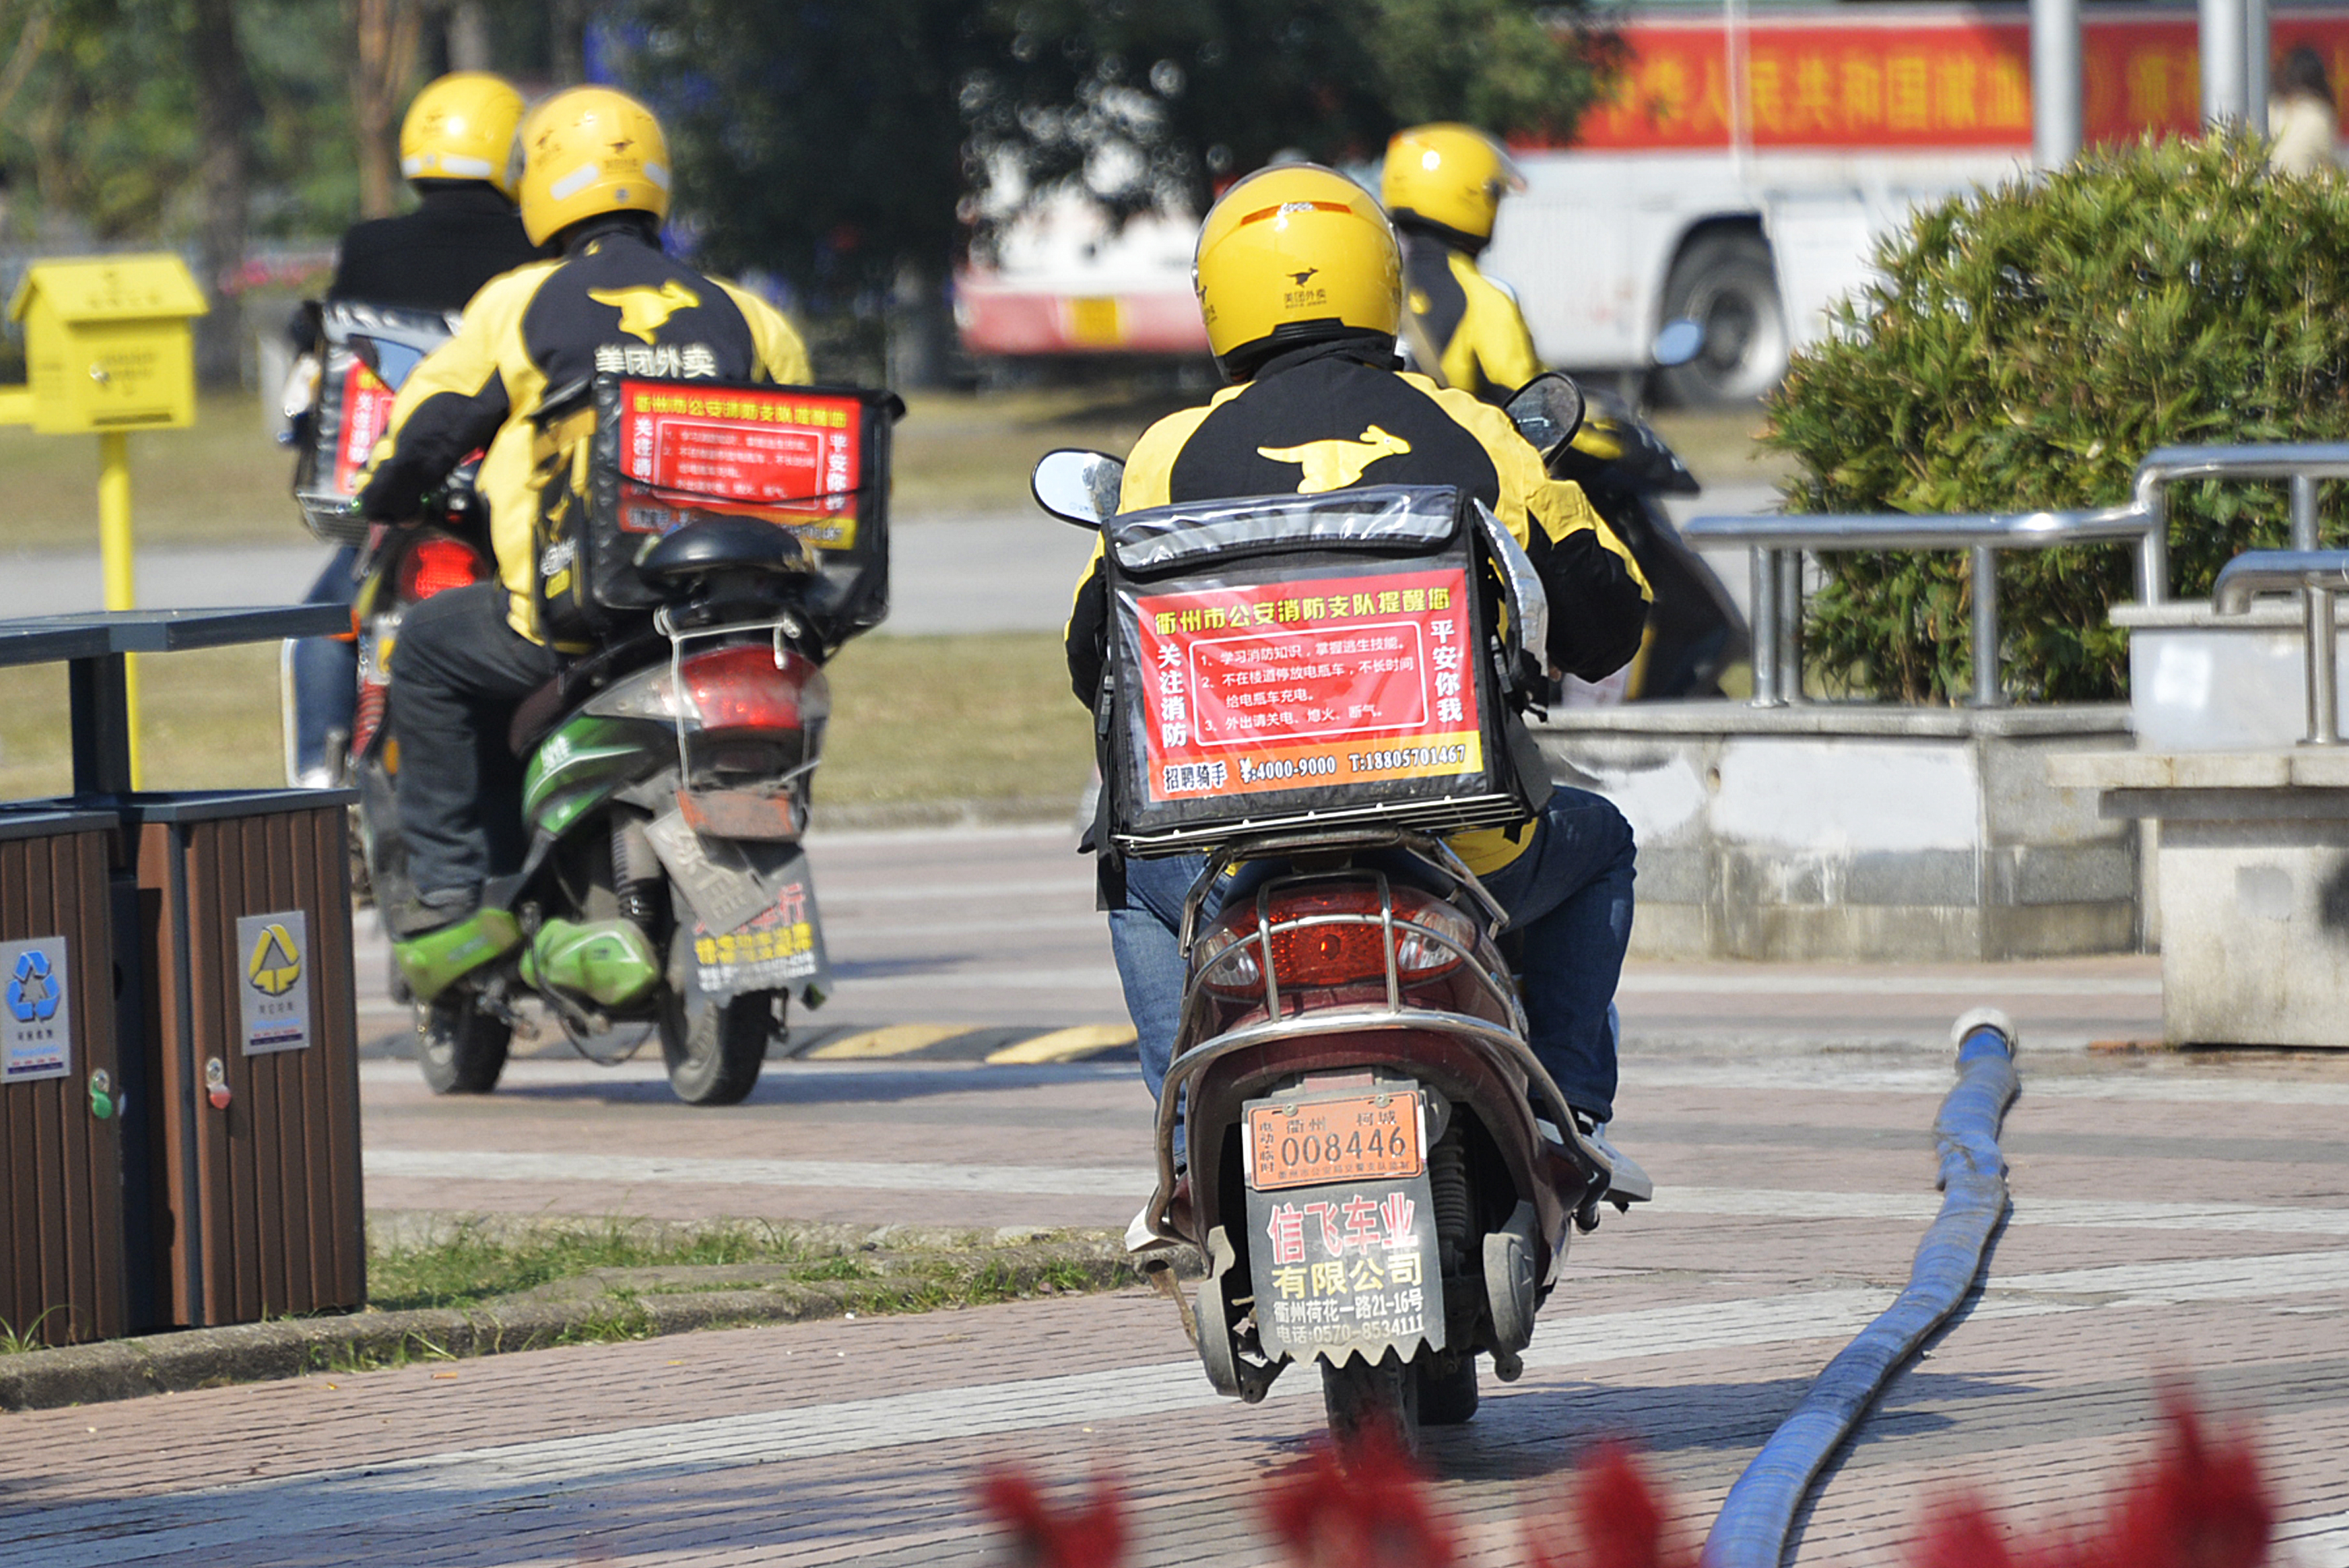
point(275, 967)
point(32, 997)
point(36, 1025)
point(274, 949)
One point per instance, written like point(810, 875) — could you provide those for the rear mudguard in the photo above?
point(1557, 1175)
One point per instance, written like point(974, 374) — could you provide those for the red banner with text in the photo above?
point(1946, 81)
point(793, 453)
point(1326, 681)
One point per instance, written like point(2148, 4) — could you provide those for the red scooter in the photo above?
point(1382, 1177)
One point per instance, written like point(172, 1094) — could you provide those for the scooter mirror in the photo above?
point(1547, 410)
point(1678, 341)
point(1078, 487)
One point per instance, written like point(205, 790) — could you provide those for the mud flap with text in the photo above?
point(750, 908)
point(1346, 1267)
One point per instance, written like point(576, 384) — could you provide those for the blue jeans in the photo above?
point(325, 669)
point(1568, 894)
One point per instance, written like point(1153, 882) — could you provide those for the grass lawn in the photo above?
point(985, 720)
point(467, 1264)
point(222, 478)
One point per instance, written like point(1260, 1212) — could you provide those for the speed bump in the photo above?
point(1065, 1045)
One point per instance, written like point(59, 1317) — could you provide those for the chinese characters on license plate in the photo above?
point(1314, 1142)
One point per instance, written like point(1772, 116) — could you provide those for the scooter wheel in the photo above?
point(1373, 1403)
point(714, 1047)
point(461, 1050)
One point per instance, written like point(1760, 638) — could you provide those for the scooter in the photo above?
point(1695, 631)
point(1382, 1177)
point(665, 783)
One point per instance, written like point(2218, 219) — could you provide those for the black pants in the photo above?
point(457, 674)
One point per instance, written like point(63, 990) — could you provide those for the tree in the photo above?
point(383, 77)
point(179, 122)
point(840, 145)
point(227, 110)
point(2023, 347)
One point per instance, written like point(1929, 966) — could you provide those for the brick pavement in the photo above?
point(2175, 1215)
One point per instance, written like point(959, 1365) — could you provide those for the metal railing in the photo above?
point(1779, 542)
point(2319, 574)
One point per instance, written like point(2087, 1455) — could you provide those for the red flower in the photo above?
point(1371, 1511)
point(1091, 1537)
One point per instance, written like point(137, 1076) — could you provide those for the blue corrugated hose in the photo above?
point(1760, 1511)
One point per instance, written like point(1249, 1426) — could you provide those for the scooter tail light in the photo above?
point(437, 564)
point(1332, 937)
point(753, 687)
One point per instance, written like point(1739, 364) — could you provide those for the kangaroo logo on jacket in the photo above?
point(1334, 465)
point(645, 310)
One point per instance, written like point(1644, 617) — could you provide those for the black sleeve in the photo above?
point(1597, 610)
point(1088, 639)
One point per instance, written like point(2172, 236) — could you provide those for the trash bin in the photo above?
point(252, 1043)
point(63, 1264)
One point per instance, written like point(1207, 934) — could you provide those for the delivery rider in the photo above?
point(1443, 186)
point(1299, 275)
point(593, 185)
point(454, 148)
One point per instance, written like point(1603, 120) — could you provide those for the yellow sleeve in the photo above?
point(781, 354)
point(460, 394)
point(1528, 495)
point(1151, 465)
point(1494, 330)
point(489, 327)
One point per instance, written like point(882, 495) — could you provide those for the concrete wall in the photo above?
point(1831, 831)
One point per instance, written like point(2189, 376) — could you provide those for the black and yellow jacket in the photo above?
point(614, 302)
point(1335, 415)
point(1464, 329)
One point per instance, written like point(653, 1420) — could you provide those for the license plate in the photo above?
point(1307, 1144)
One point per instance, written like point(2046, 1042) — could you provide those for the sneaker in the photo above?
point(1629, 1184)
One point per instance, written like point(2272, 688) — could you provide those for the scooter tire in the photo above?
point(461, 1050)
point(1447, 1397)
point(714, 1051)
point(1373, 1404)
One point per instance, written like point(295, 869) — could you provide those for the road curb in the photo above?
point(263, 1352)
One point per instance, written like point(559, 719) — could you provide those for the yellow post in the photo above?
point(114, 554)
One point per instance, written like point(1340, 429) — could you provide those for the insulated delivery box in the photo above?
point(1283, 663)
point(638, 457)
point(365, 353)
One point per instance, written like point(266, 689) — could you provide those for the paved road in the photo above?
point(2172, 1216)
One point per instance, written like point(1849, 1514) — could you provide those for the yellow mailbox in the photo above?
point(107, 343)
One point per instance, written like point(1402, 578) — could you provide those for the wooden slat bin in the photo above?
point(63, 1275)
point(253, 1041)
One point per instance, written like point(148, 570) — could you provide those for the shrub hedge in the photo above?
point(2023, 347)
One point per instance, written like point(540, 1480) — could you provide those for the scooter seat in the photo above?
point(539, 713)
point(714, 545)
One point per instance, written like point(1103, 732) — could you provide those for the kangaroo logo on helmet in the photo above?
point(1300, 277)
point(644, 309)
point(1335, 464)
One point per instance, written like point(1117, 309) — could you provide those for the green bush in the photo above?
point(2022, 348)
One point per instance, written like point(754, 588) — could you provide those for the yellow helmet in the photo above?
point(1452, 176)
point(461, 126)
point(588, 151)
point(1291, 254)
